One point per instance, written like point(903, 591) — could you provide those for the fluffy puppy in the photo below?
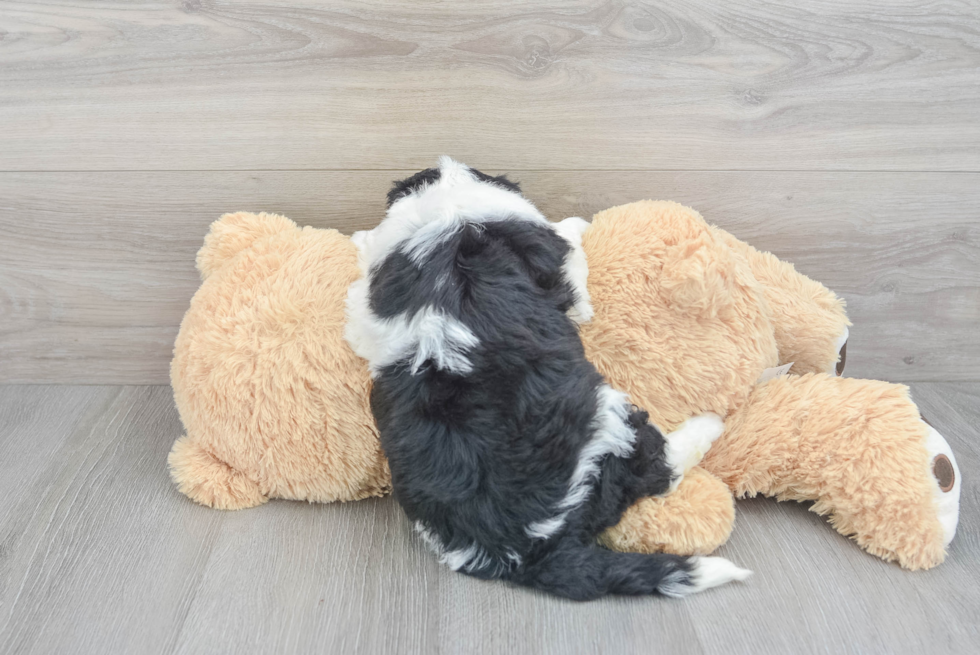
point(507, 448)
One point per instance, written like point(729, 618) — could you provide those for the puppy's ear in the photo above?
point(540, 249)
point(499, 180)
point(413, 184)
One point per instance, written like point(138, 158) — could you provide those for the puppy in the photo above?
point(507, 448)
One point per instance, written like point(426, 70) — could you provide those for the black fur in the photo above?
point(408, 186)
point(478, 457)
point(499, 180)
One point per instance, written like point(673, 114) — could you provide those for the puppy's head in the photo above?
point(425, 207)
point(449, 173)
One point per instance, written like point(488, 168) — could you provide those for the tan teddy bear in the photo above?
point(687, 320)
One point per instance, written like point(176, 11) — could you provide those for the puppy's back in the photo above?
point(484, 418)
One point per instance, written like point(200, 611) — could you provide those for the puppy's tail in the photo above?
point(585, 572)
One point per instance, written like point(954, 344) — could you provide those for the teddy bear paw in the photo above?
point(687, 445)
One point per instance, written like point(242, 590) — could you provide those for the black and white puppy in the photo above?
point(507, 448)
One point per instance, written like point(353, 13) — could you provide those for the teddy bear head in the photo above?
point(679, 320)
point(274, 402)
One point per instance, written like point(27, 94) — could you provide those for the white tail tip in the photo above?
point(706, 572)
point(711, 572)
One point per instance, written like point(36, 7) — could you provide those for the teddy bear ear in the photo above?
point(233, 233)
point(698, 277)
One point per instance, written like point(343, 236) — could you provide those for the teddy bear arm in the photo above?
point(808, 318)
point(694, 519)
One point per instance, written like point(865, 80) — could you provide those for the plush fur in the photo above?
point(275, 403)
point(856, 447)
point(507, 449)
point(796, 466)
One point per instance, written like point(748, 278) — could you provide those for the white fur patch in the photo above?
point(576, 267)
point(469, 559)
point(688, 443)
point(429, 334)
point(706, 573)
point(611, 435)
point(546, 528)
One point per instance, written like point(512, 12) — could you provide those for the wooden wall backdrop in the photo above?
point(843, 136)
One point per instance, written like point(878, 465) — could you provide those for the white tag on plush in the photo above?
point(774, 372)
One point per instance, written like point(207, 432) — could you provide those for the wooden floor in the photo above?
point(842, 136)
point(100, 554)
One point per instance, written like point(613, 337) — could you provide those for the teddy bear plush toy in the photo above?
point(687, 320)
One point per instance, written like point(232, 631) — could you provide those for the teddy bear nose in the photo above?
point(842, 360)
point(943, 471)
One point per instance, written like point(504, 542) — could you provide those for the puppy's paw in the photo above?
point(705, 428)
point(687, 445)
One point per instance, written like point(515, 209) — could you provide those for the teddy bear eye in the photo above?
point(943, 471)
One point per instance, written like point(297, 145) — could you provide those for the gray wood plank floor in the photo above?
point(100, 554)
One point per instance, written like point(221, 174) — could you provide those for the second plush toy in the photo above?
point(687, 320)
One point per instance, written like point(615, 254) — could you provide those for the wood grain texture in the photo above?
point(201, 84)
point(99, 553)
point(103, 557)
point(97, 269)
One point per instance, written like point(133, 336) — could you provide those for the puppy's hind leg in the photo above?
point(688, 443)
